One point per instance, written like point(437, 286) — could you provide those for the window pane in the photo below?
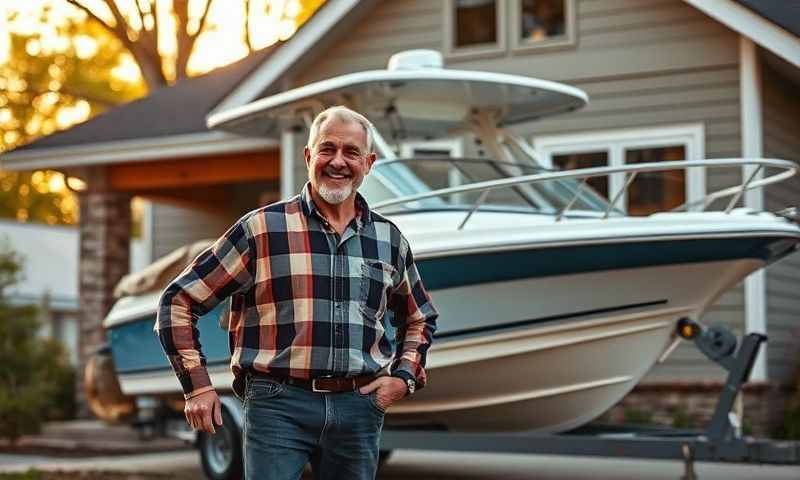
point(542, 19)
point(434, 174)
point(656, 191)
point(476, 22)
point(585, 160)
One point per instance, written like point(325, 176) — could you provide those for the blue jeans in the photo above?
point(286, 427)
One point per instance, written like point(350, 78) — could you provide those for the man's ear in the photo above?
point(307, 155)
point(371, 157)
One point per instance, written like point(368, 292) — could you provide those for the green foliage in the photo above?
point(683, 419)
point(29, 475)
point(791, 424)
point(53, 77)
point(637, 416)
point(36, 381)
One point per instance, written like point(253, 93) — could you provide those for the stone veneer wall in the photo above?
point(105, 231)
point(692, 404)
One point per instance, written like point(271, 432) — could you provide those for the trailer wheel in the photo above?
point(383, 457)
point(221, 453)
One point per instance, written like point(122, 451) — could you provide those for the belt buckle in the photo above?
point(319, 390)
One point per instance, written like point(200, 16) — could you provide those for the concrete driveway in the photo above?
point(424, 465)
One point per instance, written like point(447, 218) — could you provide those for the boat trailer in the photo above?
point(721, 441)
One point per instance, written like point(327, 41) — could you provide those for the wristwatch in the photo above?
point(411, 385)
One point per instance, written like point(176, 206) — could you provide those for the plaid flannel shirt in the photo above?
point(305, 301)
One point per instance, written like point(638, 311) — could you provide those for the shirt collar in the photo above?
point(363, 213)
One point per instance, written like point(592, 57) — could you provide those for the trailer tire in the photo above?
point(221, 453)
point(383, 457)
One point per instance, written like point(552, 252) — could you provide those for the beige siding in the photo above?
point(781, 126)
point(643, 63)
point(175, 226)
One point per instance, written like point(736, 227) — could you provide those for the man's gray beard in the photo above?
point(335, 196)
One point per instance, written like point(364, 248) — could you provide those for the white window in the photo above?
point(537, 24)
point(651, 191)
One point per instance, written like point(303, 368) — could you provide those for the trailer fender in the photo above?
point(234, 407)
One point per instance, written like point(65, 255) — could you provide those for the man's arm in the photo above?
point(415, 320)
point(222, 270)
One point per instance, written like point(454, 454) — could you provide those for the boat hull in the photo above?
point(524, 355)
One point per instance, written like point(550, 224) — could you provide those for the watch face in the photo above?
point(412, 385)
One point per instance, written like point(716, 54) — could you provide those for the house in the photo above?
point(667, 79)
point(48, 278)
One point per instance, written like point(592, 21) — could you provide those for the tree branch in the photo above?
point(154, 11)
point(123, 27)
point(145, 52)
point(202, 22)
point(92, 15)
point(141, 14)
point(247, 40)
point(145, 36)
point(185, 39)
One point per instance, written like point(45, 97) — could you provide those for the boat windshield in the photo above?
point(391, 179)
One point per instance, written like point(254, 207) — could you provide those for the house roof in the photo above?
point(174, 110)
point(780, 12)
point(771, 24)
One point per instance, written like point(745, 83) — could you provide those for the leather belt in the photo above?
point(322, 384)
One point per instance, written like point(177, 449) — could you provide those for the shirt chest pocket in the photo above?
point(376, 284)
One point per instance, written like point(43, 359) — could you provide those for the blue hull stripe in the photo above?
point(472, 269)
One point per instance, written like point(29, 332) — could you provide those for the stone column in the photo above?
point(105, 232)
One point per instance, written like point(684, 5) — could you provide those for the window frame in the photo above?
point(615, 142)
point(454, 147)
point(451, 51)
point(570, 27)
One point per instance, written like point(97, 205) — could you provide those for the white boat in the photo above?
point(553, 302)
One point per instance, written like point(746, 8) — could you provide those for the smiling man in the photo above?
point(329, 323)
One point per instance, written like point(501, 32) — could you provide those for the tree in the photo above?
point(35, 378)
point(140, 27)
point(51, 78)
point(77, 63)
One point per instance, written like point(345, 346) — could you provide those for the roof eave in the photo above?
point(753, 26)
point(320, 24)
point(136, 150)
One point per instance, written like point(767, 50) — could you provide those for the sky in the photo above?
point(221, 44)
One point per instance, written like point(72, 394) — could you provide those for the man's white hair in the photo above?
point(340, 112)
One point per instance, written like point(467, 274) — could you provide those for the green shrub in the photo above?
point(636, 416)
point(791, 424)
point(29, 475)
point(683, 419)
point(36, 381)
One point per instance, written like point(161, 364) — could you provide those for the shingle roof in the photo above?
point(175, 110)
point(784, 13)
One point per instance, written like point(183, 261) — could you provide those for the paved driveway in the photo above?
point(423, 465)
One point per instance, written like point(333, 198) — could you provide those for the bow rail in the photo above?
point(786, 170)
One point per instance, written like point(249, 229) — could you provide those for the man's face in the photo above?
point(338, 161)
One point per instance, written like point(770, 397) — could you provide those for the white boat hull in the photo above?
point(527, 355)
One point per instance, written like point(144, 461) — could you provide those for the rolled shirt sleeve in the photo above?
point(222, 270)
point(415, 320)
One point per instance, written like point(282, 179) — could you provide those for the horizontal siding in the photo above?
point(175, 226)
point(390, 27)
point(613, 38)
point(781, 114)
